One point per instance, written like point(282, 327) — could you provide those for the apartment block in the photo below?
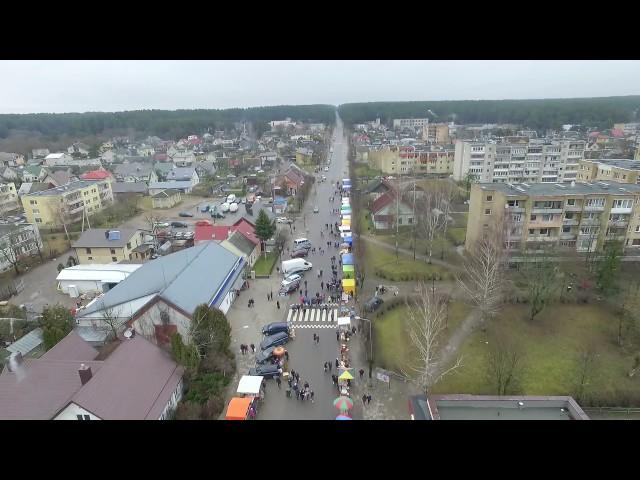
point(9, 201)
point(578, 216)
point(410, 122)
point(17, 242)
point(437, 133)
point(545, 161)
point(406, 160)
point(617, 170)
point(49, 208)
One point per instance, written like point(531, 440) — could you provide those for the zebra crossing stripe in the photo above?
point(289, 316)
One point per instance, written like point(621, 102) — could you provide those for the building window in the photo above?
point(489, 198)
point(531, 231)
point(487, 211)
point(571, 201)
point(636, 242)
point(88, 250)
point(566, 229)
point(38, 220)
point(624, 203)
point(544, 231)
point(113, 252)
point(83, 417)
point(129, 245)
point(114, 259)
point(89, 258)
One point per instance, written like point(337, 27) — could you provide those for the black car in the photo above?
point(265, 357)
point(179, 224)
point(275, 327)
point(373, 304)
point(217, 215)
point(185, 214)
point(301, 253)
point(266, 371)
point(274, 340)
point(291, 287)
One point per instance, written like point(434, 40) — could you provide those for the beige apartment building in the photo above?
point(100, 245)
point(581, 216)
point(436, 133)
point(607, 170)
point(409, 160)
point(9, 201)
point(68, 203)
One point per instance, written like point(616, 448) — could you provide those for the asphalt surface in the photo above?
point(306, 357)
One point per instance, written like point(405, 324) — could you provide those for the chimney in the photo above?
point(85, 373)
point(15, 360)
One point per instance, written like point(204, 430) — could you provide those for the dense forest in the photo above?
point(167, 124)
point(538, 114)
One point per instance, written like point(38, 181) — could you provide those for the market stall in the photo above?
point(250, 385)
point(349, 286)
point(347, 238)
point(345, 228)
point(348, 271)
point(238, 408)
point(347, 259)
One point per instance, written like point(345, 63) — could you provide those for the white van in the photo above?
point(299, 242)
point(295, 265)
point(231, 198)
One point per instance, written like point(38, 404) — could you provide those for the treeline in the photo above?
point(167, 124)
point(600, 112)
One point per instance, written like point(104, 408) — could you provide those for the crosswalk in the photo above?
point(314, 317)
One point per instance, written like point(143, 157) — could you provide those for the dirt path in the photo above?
point(450, 350)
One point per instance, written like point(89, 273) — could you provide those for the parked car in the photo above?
point(161, 224)
point(284, 220)
point(301, 253)
point(275, 327)
point(189, 235)
point(179, 224)
point(217, 215)
point(265, 356)
point(205, 209)
point(373, 304)
point(274, 340)
point(316, 210)
point(326, 169)
point(266, 371)
point(290, 287)
point(291, 278)
point(178, 235)
point(185, 214)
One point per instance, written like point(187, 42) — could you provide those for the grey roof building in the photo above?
point(242, 243)
point(181, 173)
point(134, 169)
point(129, 187)
point(98, 237)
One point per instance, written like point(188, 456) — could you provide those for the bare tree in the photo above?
point(112, 321)
point(427, 320)
point(629, 311)
point(504, 363)
point(10, 252)
point(430, 219)
point(540, 275)
point(586, 366)
point(448, 193)
point(484, 273)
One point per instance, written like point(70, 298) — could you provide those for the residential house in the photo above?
point(205, 231)
point(40, 152)
point(67, 203)
point(9, 201)
point(32, 187)
point(160, 297)
point(385, 210)
point(8, 173)
point(304, 156)
point(206, 168)
point(146, 150)
point(290, 181)
point(135, 172)
point(93, 278)
point(239, 244)
point(18, 242)
point(78, 149)
point(581, 216)
point(184, 174)
point(11, 159)
point(137, 381)
point(617, 170)
point(58, 178)
point(108, 156)
point(33, 173)
point(100, 245)
point(123, 190)
point(268, 158)
point(162, 169)
point(166, 198)
point(54, 159)
point(183, 159)
point(376, 188)
point(100, 174)
point(182, 186)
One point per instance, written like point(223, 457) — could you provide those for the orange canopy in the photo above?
point(238, 408)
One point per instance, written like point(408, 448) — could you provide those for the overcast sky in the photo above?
point(79, 86)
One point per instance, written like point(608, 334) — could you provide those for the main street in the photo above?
point(306, 357)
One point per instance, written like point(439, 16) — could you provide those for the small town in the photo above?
point(416, 260)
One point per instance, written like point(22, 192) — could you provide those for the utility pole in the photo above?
point(414, 219)
point(397, 214)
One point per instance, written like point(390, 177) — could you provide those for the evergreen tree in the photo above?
point(56, 323)
point(264, 228)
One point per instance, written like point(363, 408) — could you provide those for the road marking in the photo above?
point(289, 316)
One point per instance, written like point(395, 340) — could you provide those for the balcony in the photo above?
point(515, 209)
point(590, 221)
point(573, 208)
point(568, 236)
point(555, 223)
point(546, 210)
point(615, 237)
point(622, 210)
point(570, 222)
point(618, 223)
point(594, 208)
point(542, 238)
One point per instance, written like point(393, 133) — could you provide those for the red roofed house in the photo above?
point(205, 231)
point(384, 211)
point(617, 133)
point(292, 180)
point(99, 174)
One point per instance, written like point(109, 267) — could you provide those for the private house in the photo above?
point(9, 201)
point(93, 278)
point(162, 169)
point(60, 177)
point(182, 186)
point(290, 181)
point(183, 174)
point(205, 231)
point(100, 174)
point(304, 156)
point(124, 190)
point(108, 156)
point(40, 152)
point(166, 198)
point(206, 168)
point(54, 159)
point(376, 188)
point(159, 298)
point(33, 173)
point(137, 381)
point(183, 159)
point(100, 245)
point(239, 244)
point(32, 187)
point(11, 159)
point(18, 242)
point(8, 173)
point(135, 172)
point(385, 210)
point(78, 149)
point(267, 158)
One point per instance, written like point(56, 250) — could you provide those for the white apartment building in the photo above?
point(538, 161)
point(410, 122)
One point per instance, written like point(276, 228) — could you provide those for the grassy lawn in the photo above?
point(457, 235)
point(405, 240)
point(145, 203)
point(364, 170)
point(385, 264)
point(364, 219)
point(265, 264)
point(552, 344)
point(393, 348)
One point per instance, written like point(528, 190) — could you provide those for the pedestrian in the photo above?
point(298, 377)
point(311, 396)
point(353, 330)
point(242, 348)
point(330, 365)
point(278, 270)
point(297, 392)
point(271, 294)
point(293, 374)
point(317, 339)
point(368, 399)
point(326, 367)
point(279, 382)
point(278, 304)
point(286, 355)
point(290, 381)
point(364, 399)
point(267, 297)
point(314, 338)
point(288, 392)
point(321, 285)
point(337, 363)
point(337, 334)
point(361, 372)
point(253, 348)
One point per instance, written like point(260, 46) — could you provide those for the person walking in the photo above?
point(298, 377)
point(317, 339)
point(278, 304)
point(253, 348)
point(364, 399)
point(337, 362)
point(322, 286)
point(311, 395)
point(279, 382)
point(368, 399)
point(361, 372)
point(337, 333)
point(286, 355)
point(330, 366)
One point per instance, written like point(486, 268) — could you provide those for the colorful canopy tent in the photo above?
point(238, 408)
point(345, 375)
point(347, 238)
point(346, 217)
point(346, 201)
point(346, 221)
point(249, 385)
point(346, 181)
point(347, 259)
point(346, 187)
point(344, 321)
point(345, 211)
point(345, 228)
point(349, 285)
point(348, 271)
point(343, 417)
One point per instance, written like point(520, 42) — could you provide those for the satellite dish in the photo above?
point(128, 333)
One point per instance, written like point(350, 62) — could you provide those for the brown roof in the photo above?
point(135, 383)
point(71, 348)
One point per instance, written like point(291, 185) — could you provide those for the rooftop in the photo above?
point(556, 189)
point(625, 163)
point(97, 237)
point(69, 187)
point(129, 187)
